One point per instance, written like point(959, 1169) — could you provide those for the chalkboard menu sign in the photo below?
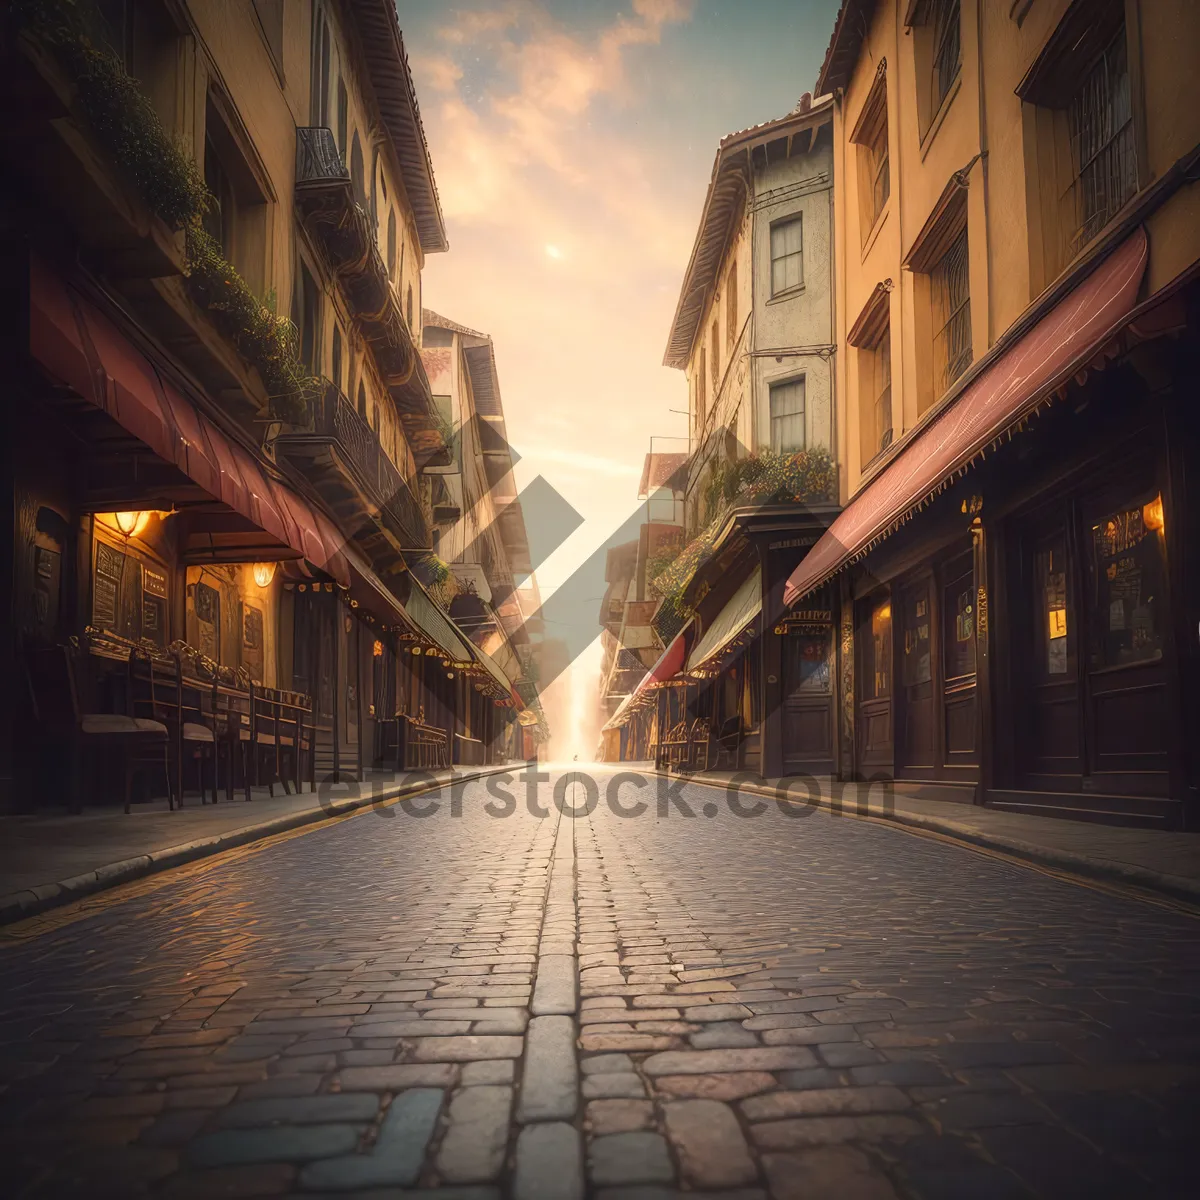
point(106, 587)
point(154, 606)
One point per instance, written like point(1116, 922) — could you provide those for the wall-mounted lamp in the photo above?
point(1152, 515)
point(127, 524)
point(264, 572)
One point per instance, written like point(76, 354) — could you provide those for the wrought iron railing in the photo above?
point(318, 158)
point(336, 418)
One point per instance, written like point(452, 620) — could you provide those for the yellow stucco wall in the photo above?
point(984, 124)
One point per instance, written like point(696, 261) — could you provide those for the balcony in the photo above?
point(50, 146)
point(345, 232)
point(341, 457)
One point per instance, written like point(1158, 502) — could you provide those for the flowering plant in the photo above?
point(767, 477)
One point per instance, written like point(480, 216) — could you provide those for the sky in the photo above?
point(572, 143)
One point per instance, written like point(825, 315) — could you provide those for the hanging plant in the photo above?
point(799, 476)
point(116, 109)
point(170, 183)
point(267, 340)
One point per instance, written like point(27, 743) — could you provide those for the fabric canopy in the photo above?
point(1002, 395)
point(77, 344)
point(744, 605)
point(490, 665)
point(436, 627)
point(669, 664)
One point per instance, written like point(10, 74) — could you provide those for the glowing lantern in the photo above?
point(264, 572)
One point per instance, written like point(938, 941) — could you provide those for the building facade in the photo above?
point(218, 222)
point(754, 333)
point(1015, 568)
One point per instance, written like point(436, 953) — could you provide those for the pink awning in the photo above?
point(1065, 339)
point(77, 344)
point(669, 664)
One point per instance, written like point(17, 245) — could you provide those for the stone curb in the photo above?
point(1178, 887)
point(27, 903)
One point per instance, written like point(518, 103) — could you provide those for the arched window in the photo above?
point(356, 171)
point(391, 243)
point(362, 400)
point(408, 306)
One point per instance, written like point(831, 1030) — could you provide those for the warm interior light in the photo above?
point(264, 572)
point(130, 524)
point(377, 650)
point(1152, 514)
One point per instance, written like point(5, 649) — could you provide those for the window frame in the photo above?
point(776, 386)
point(870, 134)
point(780, 223)
point(941, 280)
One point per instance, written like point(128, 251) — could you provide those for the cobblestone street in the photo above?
point(668, 991)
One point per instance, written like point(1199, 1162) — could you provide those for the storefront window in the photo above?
point(916, 638)
point(1050, 575)
point(1127, 580)
point(808, 649)
point(877, 676)
point(958, 620)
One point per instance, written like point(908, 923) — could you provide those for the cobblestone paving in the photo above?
point(505, 1004)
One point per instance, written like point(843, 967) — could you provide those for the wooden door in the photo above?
point(874, 737)
point(915, 718)
point(959, 720)
point(807, 724)
point(1048, 716)
point(1129, 717)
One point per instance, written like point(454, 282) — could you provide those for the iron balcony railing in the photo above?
point(336, 418)
point(318, 158)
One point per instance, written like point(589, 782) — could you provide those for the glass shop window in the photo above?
point(808, 648)
point(958, 619)
point(916, 664)
point(877, 676)
point(1055, 650)
point(1128, 578)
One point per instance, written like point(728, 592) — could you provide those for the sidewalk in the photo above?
point(1160, 860)
point(52, 857)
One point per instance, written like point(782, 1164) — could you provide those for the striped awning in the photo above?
point(991, 406)
point(744, 605)
point(435, 627)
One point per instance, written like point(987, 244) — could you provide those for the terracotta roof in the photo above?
point(396, 96)
point(429, 317)
point(849, 31)
point(659, 470)
point(730, 181)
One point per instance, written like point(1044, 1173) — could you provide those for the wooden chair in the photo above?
point(194, 732)
point(154, 696)
point(294, 732)
point(700, 744)
point(263, 747)
point(728, 742)
point(142, 741)
point(673, 748)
